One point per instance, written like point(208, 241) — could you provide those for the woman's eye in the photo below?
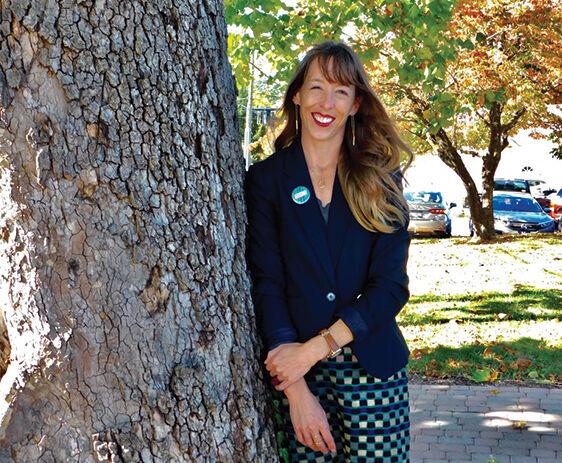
point(343, 92)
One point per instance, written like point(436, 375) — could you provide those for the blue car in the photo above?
point(519, 213)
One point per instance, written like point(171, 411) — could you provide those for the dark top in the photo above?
point(325, 210)
point(307, 274)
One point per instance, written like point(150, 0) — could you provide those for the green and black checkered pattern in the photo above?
point(369, 417)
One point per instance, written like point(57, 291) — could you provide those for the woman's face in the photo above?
point(324, 106)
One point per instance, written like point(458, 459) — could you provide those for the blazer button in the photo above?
point(331, 297)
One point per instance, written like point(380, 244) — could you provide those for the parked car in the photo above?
point(512, 184)
point(429, 213)
point(519, 213)
point(540, 190)
point(555, 207)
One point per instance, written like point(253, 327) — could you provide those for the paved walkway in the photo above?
point(457, 424)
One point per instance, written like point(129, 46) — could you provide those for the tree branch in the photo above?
point(505, 128)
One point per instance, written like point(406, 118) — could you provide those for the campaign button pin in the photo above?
point(300, 195)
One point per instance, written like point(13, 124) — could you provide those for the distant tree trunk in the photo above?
point(126, 329)
point(480, 205)
point(481, 211)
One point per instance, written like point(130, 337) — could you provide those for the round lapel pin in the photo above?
point(300, 195)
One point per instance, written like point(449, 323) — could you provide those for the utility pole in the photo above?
point(248, 123)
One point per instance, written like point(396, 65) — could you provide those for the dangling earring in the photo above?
point(352, 130)
point(297, 118)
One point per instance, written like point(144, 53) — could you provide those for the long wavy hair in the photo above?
point(369, 171)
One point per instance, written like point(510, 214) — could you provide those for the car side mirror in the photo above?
point(452, 205)
point(548, 210)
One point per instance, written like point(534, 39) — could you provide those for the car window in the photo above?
point(423, 197)
point(510, 185)
point(513, 203)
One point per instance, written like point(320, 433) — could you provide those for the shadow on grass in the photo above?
point(524, 303)
point(530, 238)
point(525, 359)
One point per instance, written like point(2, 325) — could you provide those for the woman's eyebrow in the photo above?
point(339, 84)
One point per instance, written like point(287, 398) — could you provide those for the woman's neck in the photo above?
point(321, 156)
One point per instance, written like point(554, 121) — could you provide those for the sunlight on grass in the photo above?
point(525, 303)
point(487, 336)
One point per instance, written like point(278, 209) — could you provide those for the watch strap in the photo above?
point(335, 349)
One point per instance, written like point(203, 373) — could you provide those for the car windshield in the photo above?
point(510, 185)
point(513, 203)
point(423, 197)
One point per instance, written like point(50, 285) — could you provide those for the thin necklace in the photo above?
point(320, 181)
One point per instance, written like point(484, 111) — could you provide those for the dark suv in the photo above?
point(512, 184)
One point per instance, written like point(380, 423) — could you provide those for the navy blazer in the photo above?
point(306, 274)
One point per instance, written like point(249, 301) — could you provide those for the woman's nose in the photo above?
point(329, 100)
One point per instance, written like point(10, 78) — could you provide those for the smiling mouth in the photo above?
point(322, 120)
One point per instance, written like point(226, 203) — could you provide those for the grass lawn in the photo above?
point(493, 312)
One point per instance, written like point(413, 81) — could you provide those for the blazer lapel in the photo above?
point(341, 218)
point(309, 215)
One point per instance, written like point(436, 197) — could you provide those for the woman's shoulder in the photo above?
point(271, 165)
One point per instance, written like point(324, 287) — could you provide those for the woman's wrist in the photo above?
point(296, 390)
point(317, 349)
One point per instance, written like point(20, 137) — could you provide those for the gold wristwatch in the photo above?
point(332, 344)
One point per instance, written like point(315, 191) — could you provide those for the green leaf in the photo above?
point(480, 37)
point(425, 53)
point(413, 11)
point(481, 376)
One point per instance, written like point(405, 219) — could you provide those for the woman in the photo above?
point(327, 248)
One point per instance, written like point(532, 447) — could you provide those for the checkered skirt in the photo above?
point(368, 416)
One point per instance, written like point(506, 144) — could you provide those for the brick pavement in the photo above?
point(457, 424)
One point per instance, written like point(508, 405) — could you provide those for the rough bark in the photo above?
point(124, 292)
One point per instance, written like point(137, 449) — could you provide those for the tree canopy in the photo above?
point(438, 64)
point(460, 76)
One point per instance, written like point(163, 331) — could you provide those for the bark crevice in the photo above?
point(127, 310)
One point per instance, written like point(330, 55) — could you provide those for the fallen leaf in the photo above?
point(488, 352)
point(493, 375)
point(494, 391)
point(418, 353)
point(432, 367)
point(533, 374)
point(503, 367)
point(519, 425)
point(502, 315)
point(508, 349)
point(521, 363)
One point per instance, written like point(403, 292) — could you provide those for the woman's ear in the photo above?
point(355, 106)
point(297, 98)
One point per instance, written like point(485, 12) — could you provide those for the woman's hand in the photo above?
point(290, 362)
point(309, 419)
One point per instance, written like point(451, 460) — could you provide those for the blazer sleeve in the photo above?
point(386, 291)
point(266, 263)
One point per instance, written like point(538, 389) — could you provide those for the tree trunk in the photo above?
point(482, 217)
point(128, 323)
